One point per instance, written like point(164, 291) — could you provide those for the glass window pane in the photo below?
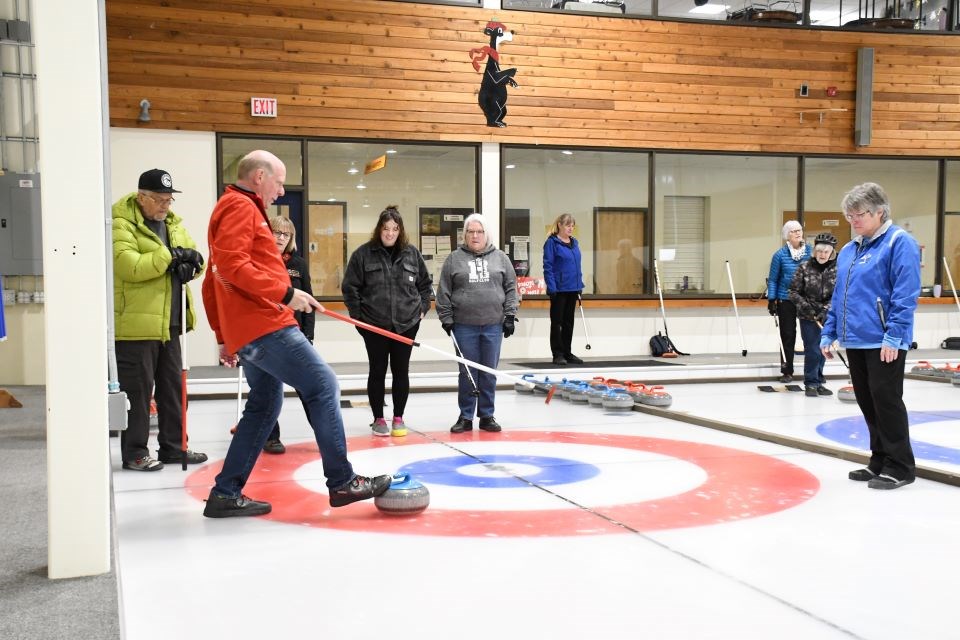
point(711, 209)
point(344, 202)
point(911, 186)
point(605, 191)
point(287, 150)
point(951, 226)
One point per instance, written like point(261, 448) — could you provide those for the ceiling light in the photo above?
point(353, 169)
point(361, 186)
point(331, 199)
point(567, 152)
point(391, 150)
point(510, 166)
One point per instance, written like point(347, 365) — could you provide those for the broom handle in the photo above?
point(663, 312)
point(414, 343)
point(952, 286)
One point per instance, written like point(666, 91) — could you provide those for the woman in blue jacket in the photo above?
point(871, 314)
point(782, 267)
point(564, 279)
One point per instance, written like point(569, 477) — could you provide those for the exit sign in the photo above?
point(263, 107)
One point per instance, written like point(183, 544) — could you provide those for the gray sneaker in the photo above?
point(380, 427)
point(146, 463)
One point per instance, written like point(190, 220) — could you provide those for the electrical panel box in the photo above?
point(21, 249)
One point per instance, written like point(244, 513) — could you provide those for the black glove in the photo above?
point(772, 306)
point(508, 326)
point(185, 271)
point(448, 327)
point(186, 255)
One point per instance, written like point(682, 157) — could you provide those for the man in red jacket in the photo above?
point(250, 305)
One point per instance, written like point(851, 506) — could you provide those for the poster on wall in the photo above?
point(441, 231)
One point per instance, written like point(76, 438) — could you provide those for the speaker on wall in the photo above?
point(864, 112)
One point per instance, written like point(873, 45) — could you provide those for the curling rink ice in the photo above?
point(572, 523)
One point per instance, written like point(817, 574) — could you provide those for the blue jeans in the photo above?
point(285, 356)
point(481, 344)
point(813, 358)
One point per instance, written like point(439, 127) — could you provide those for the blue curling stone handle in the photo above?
point(404, 481)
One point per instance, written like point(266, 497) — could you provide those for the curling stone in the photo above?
point(655, 397)
point(846, 394)
point(955, 380)
point(405, 497)
point(578, 395)
point(924, 368)
point(595, 394)
point(522, 388)
point(948, 371)
point(617, 400)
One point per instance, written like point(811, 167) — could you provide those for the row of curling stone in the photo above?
point(405, 497)
point(949, 372)
point(610, 394)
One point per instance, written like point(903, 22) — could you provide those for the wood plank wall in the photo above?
point(399, 70)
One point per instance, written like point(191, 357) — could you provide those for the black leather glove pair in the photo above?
point(186, 262)
point(772, 306)
point(509, 326)
point(447, 326)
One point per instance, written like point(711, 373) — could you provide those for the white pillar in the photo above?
point(490, 188)
point(70, 48)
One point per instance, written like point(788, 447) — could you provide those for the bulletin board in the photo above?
point(441, 231)
point(516, 239)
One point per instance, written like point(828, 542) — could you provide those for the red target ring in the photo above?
point(739, 485)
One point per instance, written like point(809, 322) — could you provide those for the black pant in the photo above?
point(563, 306)
point(878, 387)
point(145, 367)
point(381, 351)
point(787, 317)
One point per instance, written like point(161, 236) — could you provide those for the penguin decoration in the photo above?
point(493, 88)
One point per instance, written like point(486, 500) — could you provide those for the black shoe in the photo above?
point(223, 507)
point(823, 391)
point(810, 392)
point(461, 425)
point(560, 361)
point(883, 481)
point(360, 488)
point(787, 377)
point(862, 475)
point(274, 446)
point(193, 457)
point(489, 424)
point(572, 359)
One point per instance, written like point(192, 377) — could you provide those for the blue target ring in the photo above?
point(853, 431)
point(547, 471)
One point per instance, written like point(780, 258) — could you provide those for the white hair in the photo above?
point(792, 225)
point(482, 219)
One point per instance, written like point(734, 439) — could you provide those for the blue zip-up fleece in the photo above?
point(782, 268)
point(561, 266)
point(885, 268)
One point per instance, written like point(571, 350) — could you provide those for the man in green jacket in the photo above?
point(153, 257)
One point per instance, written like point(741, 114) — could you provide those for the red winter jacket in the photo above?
point(247, 286)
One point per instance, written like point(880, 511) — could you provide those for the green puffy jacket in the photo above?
point(141, 285)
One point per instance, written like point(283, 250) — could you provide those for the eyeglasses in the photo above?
point(282, 235)
point(474, 232)
point(163, 201)
point(855, 216)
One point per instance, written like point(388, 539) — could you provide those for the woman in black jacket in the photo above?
point(386, 284)
point(285, 235)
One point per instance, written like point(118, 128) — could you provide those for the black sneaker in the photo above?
point(176, 457)
point(810, 392)
point(560, 361)
point(461, 425)
point(572, 359)
point(223, 507)
point(823, 391)
point(861, 475)
point(360, 488)
point(274, 446)
point(883, 481)
point(787, 377)
point(489, 424)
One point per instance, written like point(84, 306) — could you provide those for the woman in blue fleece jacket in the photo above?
point(564, 279)
point(871, 314)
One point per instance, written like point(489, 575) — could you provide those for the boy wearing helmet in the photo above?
point(810, 291)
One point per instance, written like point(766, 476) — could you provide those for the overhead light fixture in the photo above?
point(391, 151)
point(361, 186)
point(567, 152)
point(353, 169)
point(510, 166)
point(331, 199)
point(144, 111)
